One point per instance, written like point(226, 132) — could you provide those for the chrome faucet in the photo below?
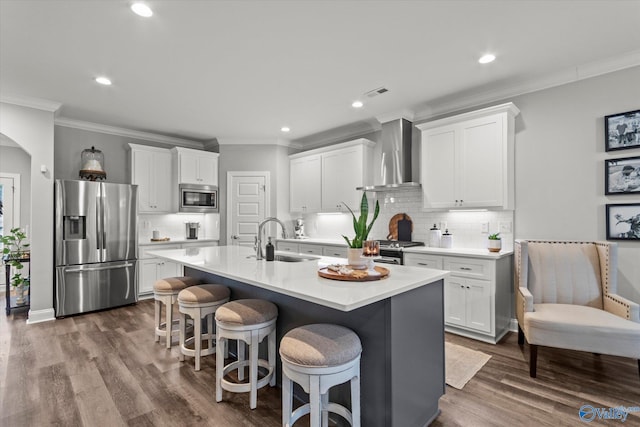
point(258, 242)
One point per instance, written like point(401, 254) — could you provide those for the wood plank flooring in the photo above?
point(104, 369)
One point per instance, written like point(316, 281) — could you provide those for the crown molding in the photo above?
point(502, 91)
point(128, 133)
point(257, 141)
point(36, 103)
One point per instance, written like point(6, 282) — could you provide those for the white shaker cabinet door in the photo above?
point(305, 182)
point(481, 163)
point(342, 172)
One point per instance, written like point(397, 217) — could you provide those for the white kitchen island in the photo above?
point(398, 319)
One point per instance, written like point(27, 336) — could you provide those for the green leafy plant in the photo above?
point(360, 224)
point(494, 236)
point(14, 250)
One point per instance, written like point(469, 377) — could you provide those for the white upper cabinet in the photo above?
point(468, 160)
point(305, 180)
point(325, 179)
point(151, 172)
point(195, 166)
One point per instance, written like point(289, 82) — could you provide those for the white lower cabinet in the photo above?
point(477, 293)
point(151, 269)
point(335, 251)
point(287, 246)
point(312, 249)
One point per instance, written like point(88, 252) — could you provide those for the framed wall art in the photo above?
point(622, 176)
point(622, 131)
point(623, 221)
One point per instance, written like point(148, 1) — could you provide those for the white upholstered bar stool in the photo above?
point(165, 291)
point(199, 302)
point(318, 357)
point(248, 321)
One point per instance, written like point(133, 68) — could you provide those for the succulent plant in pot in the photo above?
point(361, 229)
point(494, 242)
point(14, 251)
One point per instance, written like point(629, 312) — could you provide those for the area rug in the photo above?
point(461, 364)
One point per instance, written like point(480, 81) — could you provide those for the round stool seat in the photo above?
point(245, 312)
point(320, 344)
point(203, 294)
point(173, 284)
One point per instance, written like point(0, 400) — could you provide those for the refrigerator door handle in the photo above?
point(76, 270)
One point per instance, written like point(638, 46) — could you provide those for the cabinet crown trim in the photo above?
point(148, 148)
point(182, 150)
point(329, 148)
point(508, 108)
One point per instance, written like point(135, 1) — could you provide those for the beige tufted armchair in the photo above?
point(566, 298)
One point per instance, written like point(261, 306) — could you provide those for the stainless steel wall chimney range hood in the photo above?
point(394, 171)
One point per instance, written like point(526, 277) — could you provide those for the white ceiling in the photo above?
point(242, 69)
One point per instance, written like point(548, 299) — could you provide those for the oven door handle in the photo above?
point(385, 260)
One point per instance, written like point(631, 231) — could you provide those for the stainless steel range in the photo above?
point(391, 251)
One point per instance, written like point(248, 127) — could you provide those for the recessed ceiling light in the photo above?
point(285, 129)
point(357, 104)
point(103, 81)
point(485, 59)
point(141, 9)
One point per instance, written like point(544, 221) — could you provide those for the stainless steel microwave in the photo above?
point(196, 198)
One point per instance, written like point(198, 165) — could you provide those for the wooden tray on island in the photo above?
point(333, 275)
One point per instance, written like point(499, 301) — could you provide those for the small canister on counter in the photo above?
point(434, 237)
point(447, 240)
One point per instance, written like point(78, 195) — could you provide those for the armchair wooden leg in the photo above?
point(533, 360)
point(520, 336)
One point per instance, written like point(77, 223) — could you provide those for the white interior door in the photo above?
point(10, 202)
point(247, 205)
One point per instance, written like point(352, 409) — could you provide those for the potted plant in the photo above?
point(14, 251)
point(361, 229)
point(494, 242)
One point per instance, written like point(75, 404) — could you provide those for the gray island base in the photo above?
point(402, 365)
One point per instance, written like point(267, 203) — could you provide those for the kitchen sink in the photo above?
point(294, 258)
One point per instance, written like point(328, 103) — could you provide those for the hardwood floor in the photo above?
point(104, 369)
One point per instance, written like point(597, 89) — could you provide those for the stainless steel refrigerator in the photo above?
point(95, 246)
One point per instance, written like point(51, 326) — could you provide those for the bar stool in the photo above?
point(248, 321)
point(199, 302)
point(318, 357)
point(165, 291)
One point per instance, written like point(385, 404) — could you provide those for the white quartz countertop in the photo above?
point(173, 242)
point(300, 279)
point(466, 252)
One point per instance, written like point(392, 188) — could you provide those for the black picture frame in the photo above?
point(622, 176)
point(622, 131)
point(623, 221)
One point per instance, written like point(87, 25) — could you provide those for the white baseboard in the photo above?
point(37, 316)
point(513, 325)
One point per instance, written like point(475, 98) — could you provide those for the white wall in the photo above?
point(16, 160)
point(560, 153)
point(256, 157)
point(32, 129)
